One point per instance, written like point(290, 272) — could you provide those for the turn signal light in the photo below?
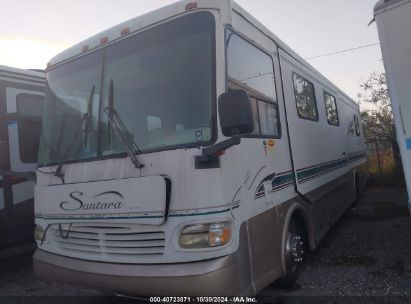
point(38, 233)
point(191, 6)
point(85, 48)
point(103, 40)
point(125, 31)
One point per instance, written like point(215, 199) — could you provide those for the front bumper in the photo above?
point(225, 276)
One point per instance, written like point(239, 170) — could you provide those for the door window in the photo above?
point(251, 69)
point(29, 123)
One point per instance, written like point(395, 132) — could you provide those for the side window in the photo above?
point(268, 116)
point(252, 70)
point(29, 122)
point(266, 120)
point(331, 109)
point(357, 125)
point(305, 98)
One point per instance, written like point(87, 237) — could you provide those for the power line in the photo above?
point(343, 51)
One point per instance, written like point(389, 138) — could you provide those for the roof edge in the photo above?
point(133, 26)
point(22, 71)
point(383, 5)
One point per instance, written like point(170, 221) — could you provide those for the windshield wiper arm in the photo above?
point(89, 116)
point(86, 117)
point(121, 131)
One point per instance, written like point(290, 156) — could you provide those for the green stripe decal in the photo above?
point(286, 179)
point(279, 181)
point(304, 175)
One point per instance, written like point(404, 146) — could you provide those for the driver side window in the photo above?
point(251, 69)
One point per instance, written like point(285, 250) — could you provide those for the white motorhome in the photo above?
point(189, 151)
point(21, 108)
point(394, 23)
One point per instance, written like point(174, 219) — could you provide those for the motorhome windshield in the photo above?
point(163, 87)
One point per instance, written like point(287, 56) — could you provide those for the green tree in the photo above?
point(376, 114)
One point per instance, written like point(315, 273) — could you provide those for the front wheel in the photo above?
point(294, 254)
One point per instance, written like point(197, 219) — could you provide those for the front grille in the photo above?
point(102, 242)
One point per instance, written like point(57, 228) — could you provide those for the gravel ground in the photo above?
point(365, 258)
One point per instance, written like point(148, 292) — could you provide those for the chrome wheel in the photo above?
point(294, 245)
point(294, 251)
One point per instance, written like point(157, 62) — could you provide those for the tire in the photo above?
point(294, 254)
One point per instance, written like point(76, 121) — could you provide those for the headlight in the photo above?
point(38, 233)
point(205, 235)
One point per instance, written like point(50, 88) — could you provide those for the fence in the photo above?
point(384, 161)
point(380, 157)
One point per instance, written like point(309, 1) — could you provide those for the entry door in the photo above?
point(24, 110)
point(265, 165)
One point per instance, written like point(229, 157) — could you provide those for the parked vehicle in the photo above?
point(189, 151)
point(21, 107)
point(393, 21)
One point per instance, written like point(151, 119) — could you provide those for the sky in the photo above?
point(32, 32)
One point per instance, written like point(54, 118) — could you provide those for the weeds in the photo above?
point(384, 170)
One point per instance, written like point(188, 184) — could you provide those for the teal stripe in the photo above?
point(100, 218)
point(140, 217)
point(203, 213)
point(285, 179)
point(320, 169)
point(275, 183)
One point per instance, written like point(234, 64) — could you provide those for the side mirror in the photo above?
point(4, 155)
point(236, 116)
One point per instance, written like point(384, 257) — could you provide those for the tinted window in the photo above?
point(266, 120)
point(68, 92)
point(254, 108)
point(331, 109)
point(163, 89)
point(305, 98)
point(29, 121)
point(250, 69)
point(163, 84)
point(268, 115)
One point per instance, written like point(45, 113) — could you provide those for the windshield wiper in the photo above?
point(121, 131)
point(89, 116)
point(86, 117)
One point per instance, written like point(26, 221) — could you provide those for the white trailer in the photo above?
point(21, 109)
point(189, 151)
point(393, 18)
